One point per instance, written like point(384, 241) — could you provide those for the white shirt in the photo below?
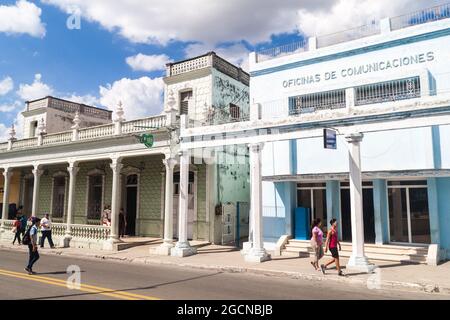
point(46, 224)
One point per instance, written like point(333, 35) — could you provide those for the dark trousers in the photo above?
point(47, 234)
point(34, 256)
point(17, 237)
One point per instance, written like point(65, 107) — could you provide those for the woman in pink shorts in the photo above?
point(317, 242)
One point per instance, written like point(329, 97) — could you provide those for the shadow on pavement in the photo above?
point(128, 289)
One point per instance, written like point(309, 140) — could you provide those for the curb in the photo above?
point(386, 284)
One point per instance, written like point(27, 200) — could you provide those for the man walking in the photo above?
point(30, 238)
point(46, 229)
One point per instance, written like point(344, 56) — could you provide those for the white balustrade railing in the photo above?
point(59, 229)
point(57, 138)
point(190, 65)
point(25, 143)
point(144, 124)
point(8, 224)
point(3, 146)
point(96, 132)
point(90, 232)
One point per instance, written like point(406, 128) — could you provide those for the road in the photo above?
point(125, 281)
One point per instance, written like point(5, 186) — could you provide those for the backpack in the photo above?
point(27, 238)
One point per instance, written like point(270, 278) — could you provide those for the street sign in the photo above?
point(329, 139)
point(147, 140)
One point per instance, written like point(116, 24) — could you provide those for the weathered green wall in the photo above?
point(150, 223)
point(233, 179)
point(227, 90)
point(45, 190)
point(201, 227)
point(150, 194)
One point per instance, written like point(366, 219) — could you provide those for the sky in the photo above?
point(100, 52)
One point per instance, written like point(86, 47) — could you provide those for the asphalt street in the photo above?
point(125, 281)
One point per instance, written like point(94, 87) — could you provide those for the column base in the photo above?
point(65, 242)
point(182, 249)
point(257, 255)
point(164, 249)
point(246, 247)
point(360, 264)
point(111, 244)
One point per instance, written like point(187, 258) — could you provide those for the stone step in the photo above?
point(397, 253)
point(371, 256)
point(369, 248)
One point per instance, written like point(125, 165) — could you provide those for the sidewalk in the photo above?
point(390, 275)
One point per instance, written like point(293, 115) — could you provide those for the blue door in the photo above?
point(302, 220)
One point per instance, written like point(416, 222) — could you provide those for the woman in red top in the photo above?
point(17, 230)
point(333, 243)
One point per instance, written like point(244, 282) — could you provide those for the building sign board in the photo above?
point(329, 139)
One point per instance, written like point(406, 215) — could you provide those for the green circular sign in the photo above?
point(147, 140)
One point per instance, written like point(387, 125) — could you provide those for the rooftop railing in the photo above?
point(370, 29)
point(366, 30)
point(421, 16)
point(86, 134)
point(280, 51)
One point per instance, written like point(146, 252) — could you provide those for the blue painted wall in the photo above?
point(381, 211)
point(443, 187)
point(279, 201)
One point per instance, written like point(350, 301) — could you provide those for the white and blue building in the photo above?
point(390, 81)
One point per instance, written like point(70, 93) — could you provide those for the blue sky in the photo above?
point(39, 55)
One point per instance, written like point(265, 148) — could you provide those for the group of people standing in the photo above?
point(332, 243)
point(106, 220)
point(20, 227)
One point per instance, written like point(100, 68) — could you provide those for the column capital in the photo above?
point(37, 172)
point(170, 163)
point(7, 172)
point(73, 168)
point(354, 137)
point(116, 166)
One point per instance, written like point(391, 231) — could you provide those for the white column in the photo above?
point(73, 170)
point(358, 261)
point(164, 249)
point(182, 248)
point(37, 173)
point(7, 174)
point(257, 253)
point(116, 167)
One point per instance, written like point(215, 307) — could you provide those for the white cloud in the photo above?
point(215, 22)
point(140, 97)
point(23, 17)
point(206, 21)
point(36, 90)
point(3, 132)
point(6, 85)
point(237, 53)
point(18, 122)
point(10, 106)
point(142, 62)
point(348, 14)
